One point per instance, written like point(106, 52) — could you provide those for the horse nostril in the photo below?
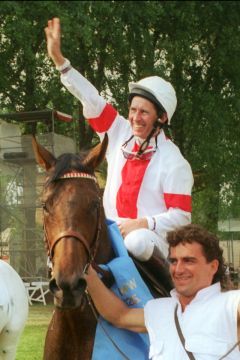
point(53, 286)
point(67, 288)
point(81, 285)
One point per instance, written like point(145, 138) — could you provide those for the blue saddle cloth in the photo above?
point(130, 287)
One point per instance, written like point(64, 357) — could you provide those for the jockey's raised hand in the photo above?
point(53, 36)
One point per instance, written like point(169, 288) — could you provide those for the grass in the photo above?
point(31, 343)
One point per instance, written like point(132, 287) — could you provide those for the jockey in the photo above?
point(148, 187)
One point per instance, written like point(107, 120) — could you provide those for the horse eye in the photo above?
point(94, 206)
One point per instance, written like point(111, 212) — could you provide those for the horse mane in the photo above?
point(66, 163)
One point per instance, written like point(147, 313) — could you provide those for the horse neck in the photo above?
point(105, 250)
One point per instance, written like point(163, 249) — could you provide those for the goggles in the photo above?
point(134, 155)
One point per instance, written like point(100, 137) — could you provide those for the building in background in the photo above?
point(21, 182)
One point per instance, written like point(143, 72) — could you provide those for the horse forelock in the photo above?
point(66, 163)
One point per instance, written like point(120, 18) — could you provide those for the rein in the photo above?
point(90, 302)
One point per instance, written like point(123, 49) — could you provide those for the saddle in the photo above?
point(154, 272)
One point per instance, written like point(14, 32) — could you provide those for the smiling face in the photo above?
point(190, 270)
point(142, 115)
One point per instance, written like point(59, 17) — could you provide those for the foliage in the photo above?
point(194, 44)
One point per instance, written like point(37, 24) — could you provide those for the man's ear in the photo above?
point(163, 119)
point(215, 265)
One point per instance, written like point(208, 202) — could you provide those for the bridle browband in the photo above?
point(91, 251)
point(76, 174)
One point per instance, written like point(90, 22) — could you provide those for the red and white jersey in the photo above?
point(160, 187)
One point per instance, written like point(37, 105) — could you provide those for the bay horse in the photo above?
point(13, 310)
point(75, 234)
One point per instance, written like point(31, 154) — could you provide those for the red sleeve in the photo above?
point(104, 121)
point(183, 202)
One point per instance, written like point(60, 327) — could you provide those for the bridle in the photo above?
point(91, 251)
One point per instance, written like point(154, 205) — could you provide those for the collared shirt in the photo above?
point(208, 323)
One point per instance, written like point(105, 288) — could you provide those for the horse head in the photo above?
point(73, 219)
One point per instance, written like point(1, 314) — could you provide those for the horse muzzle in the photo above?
point(67, 295)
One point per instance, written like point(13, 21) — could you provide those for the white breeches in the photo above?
point(13, 310)
point(140, 243)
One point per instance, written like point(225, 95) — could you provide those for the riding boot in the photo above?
point(159, 267)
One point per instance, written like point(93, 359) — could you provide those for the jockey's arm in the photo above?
point(163, 222)
point(111, 307)
point(126, 226)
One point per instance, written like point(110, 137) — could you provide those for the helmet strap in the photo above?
point(127, 141)
point(157, 125)
point(145, 144)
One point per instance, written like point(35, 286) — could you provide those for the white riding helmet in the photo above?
point(157, 90)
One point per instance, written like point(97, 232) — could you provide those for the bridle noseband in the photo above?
point(91, 251)
point(69, 233)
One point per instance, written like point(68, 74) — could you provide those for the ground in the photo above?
point(32, 340)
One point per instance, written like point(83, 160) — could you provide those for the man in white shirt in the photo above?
point(209, 317)
point(148, 187)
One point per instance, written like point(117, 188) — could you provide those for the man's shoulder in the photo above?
point(164, 301)
point(167, 146)
point(230, 293)
point(159, 309)
point(172, 156)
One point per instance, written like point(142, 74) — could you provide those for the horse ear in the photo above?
point(97, 154)
point(43, 157)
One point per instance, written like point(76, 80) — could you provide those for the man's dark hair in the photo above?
point(209, 242)
point(159, 108)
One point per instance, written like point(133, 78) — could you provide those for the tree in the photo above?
point(193, 44)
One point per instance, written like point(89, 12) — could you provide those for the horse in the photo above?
point(75, 236)
point(13, 310)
